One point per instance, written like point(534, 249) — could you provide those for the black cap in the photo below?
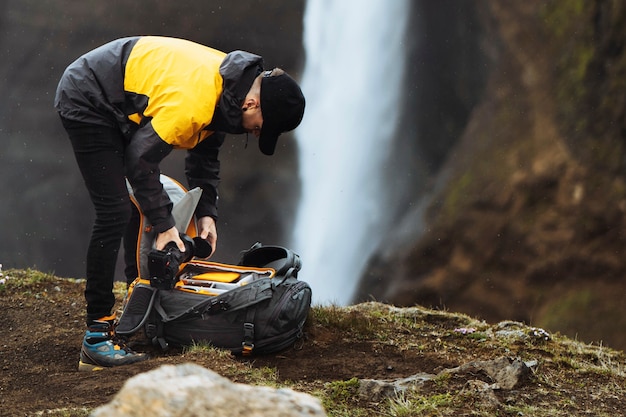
point(282, 107)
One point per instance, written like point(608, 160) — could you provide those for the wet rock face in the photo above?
point(526, 217)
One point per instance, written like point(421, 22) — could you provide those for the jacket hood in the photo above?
point(238, 70)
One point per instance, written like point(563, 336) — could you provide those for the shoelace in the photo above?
point(122, 344)
point(119, 341)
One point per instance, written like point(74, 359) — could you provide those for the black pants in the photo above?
point(99, 151)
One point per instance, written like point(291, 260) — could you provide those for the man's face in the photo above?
point(252, 119)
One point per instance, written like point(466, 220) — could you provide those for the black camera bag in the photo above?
point(266, 314)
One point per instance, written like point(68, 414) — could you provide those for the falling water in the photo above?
point(352, 80)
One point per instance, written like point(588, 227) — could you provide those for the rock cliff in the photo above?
point(526, 219)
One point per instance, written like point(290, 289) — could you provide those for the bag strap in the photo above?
point(247, 345)
point(154, 328)
point(158, 337)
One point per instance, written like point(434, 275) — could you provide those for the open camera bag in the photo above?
point(257, 306)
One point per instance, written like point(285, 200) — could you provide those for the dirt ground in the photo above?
point(41, 332)
point(41, 328)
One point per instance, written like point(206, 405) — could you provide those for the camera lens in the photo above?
point(189, 248)
point(203, 248)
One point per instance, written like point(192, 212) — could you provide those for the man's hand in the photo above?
point(170, 235)
point(208, 231)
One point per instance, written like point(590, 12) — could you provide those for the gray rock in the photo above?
point(505, 372)
point(378, 389)
point(482, 393)
point(193, 391)
point(519, 331)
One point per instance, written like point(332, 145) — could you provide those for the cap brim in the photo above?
point(267, 142)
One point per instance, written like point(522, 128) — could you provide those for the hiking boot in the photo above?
point(103, 349)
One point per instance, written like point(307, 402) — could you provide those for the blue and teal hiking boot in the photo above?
point(102, 349)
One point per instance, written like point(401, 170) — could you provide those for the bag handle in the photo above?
point(284, 261)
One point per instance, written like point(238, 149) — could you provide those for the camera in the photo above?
point(163, 265)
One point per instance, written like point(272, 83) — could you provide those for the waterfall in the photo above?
point(352, 80)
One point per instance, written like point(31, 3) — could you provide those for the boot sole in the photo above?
point(89, 367)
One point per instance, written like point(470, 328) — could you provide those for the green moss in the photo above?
point(571, 35)
point(67, 412)
point(339, 398)
point(412, 404)
point(457, 195)
point(26, 278)
point(586, 308)
point(568, 304)
point(353, 323)
point(557, 15)
point(342, 391)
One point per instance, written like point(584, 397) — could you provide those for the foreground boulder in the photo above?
point(190, 390)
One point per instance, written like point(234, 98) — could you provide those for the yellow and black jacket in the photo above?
point(163, 94)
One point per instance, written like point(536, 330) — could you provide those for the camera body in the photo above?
point(163, 265)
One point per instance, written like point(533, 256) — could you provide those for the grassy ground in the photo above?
point(42, 325)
